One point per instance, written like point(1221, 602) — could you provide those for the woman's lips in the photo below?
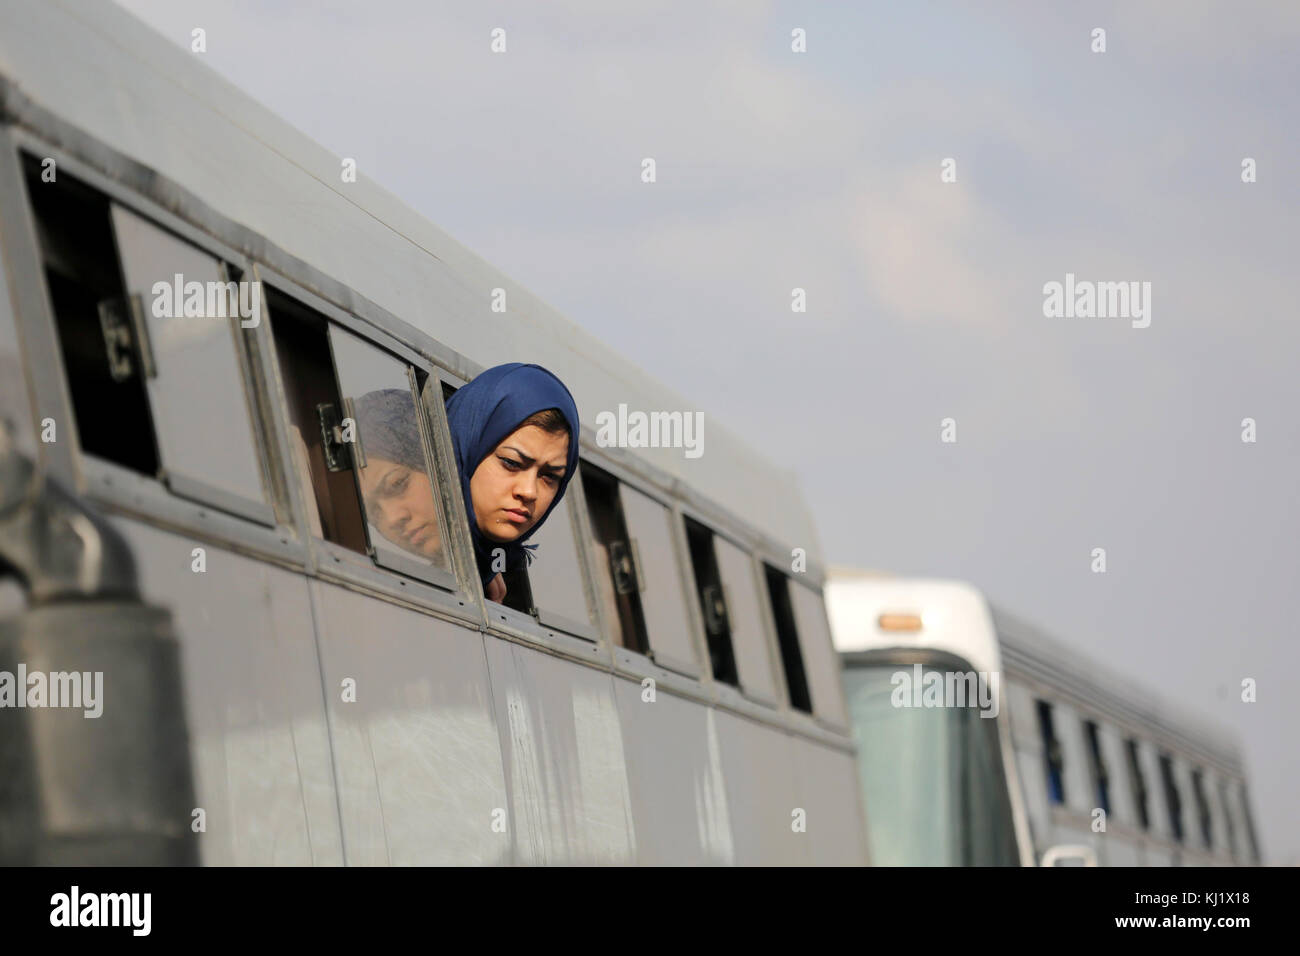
point(516, 516)
point(419, 535)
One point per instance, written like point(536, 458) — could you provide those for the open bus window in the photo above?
point(1138, 781)
point(1052, 754)
point(728, 594)
point(1100, 781)
point(1202, 809)
point(554, 578)
point(821, 663)
point(360, 441)
point(637, 573)
point(787, 638)
point(1228, 822)
point(157, 377)
point(1172, 799)
point(616, 583)
point(100, 354)
point(388, 454)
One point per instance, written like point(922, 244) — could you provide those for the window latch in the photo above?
point(121, 321)
point(715, 609)
point(622, 566)
point(331, 433)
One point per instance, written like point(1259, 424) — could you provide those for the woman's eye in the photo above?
point(511, 464)
point(554, 478)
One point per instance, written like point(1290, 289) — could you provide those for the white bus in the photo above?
point(982, 741)
point(279, 685)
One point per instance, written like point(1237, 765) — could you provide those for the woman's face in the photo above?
point(399, 501)
point(514, 485)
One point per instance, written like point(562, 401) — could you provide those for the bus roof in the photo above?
point(164, 108)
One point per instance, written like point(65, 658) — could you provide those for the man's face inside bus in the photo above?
point(399, 502)
point(514, 485)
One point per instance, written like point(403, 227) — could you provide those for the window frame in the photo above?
point(257, 526)
point(445, 588)
point(779, 699)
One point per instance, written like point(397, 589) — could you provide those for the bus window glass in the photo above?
point(388, 451)
point(616, 587)
point(1202, 809)
point(712, 601)
point(820, 660)
point(555, 576)
point(663, 603)
point(932, 778)
point(748, 637)
point(787, 637)
point(204, 424)
point(307, 372)
point(1053, 758)
point(1097, 765)
point(1172, 799)
point(1139, 784)
point(96, 339)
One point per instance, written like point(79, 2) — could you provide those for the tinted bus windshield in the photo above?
point(932, 778)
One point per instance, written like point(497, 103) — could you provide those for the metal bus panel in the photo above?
point(828, 789)
point(760, 772)
point(260, 745)
point(416, 752)
point(678, 790)
point(562, 749)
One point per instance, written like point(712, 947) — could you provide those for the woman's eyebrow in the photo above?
point(528, 460)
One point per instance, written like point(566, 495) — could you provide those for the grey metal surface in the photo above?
point(417, 754)
point(253, 701)
point(564, 758)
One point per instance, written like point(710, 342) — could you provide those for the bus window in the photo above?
point(655, 566)
point(787, 638)
point(1172, 800)
point(615, 580)
point(302, 346)
point(1097, 764)
point(714, 605)
point(389, 455)
point(1139, 784)
point(204, 424)
point(555, 577)
point(1226, 803)
point(820, 660)
point(1202, 809)
point(1052, 753)
point(97, 338)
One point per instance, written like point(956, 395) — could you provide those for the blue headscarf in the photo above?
point(481, 415)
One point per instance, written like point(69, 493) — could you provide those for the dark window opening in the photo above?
point(708, 589)
point(1139, 784)
point(787, 635)
point(1250, 825)
point(302, 345)
point(1171, 796)
point(1227, 817)
point(1202, 808)
point(97, 334)
point(519, 591)
point(616, 572)
point(1053, 756)
point(1101, 781)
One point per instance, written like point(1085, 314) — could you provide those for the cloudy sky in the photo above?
point(822, 170)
